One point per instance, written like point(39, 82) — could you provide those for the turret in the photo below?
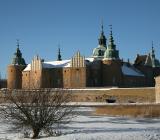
point(111, 53)
point(102, 39)
point(151, 59)
point(14, 70)
point(59, 58)
point(152, 52)
point(99, 51)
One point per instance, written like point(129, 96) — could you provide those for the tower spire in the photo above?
point(102, 38)
point(18, 43)
point(102, 27)
point(110, 29)
point(111, 40)
point(18, 59)
point(111, 52)
point(59, 54)
point(152, 45)
point(153, 51)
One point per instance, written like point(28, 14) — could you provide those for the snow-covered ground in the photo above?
point(87, 126)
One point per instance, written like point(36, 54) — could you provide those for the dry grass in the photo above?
point(152, 110)
point(122, 95)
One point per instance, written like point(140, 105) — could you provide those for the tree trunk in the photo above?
point(35, 133)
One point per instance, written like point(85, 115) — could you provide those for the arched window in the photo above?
point(100, 53)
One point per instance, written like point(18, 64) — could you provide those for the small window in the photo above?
point(100, 53)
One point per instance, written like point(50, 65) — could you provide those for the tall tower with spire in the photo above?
point(14, 70)
point(59, 58)
point(102, 38)
point(151, 59)
point(99, 51)
point(111, 52)
point(17, 58)
point(111, 64)
point(152, 52)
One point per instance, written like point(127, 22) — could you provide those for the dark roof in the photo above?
point(140, 59)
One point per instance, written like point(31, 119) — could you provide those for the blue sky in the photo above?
point(41, 25)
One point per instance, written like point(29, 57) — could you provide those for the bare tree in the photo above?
point(37, 110)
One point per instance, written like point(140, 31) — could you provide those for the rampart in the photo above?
point(118, 95)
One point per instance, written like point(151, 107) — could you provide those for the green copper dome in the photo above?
point(100, 50)
point(17, 58)
point(111, 52)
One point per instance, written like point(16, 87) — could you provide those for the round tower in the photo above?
point(14, 70)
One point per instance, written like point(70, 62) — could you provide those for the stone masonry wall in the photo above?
point(157, 89)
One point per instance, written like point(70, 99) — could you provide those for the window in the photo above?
point(100, 53)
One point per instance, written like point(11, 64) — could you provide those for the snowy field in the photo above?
point(87, 126)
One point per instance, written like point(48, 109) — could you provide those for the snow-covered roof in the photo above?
point(126, 70)
point(90, 59)
point(28, 68)
point(56, 64)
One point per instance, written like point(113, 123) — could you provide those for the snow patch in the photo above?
point(91, 127)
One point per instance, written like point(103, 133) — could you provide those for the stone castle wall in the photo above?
point(74, 77)
point(112, 74)
point(54, 78)
point(31, 79)
point(130, 81)
point(157, 89)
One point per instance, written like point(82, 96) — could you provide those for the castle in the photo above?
point(103, 69)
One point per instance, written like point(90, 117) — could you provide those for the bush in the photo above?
point(37, 110)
